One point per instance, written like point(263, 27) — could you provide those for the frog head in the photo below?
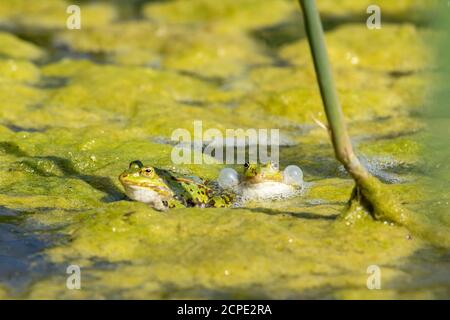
point(138, 175)
point(257, 173)
point(142, 183)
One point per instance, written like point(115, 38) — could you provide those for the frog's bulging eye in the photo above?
point(147, 171)
point(136, 164)
point(246, 165)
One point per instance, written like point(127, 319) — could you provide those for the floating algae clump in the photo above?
point(18, 71)
point(35, 16)
point(382, 50)
point(229, 14)
point(195, 50)
point(13, 47)
point(358, 105)
point(129, 42)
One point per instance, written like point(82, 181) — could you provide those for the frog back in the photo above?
point(189, 191)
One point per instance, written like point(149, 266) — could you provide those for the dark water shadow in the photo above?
point(426, 271)
point(318, 161)
point(56, 51)
point(127, 10)
point(299, 215)
point(331, 21)
point(218, 81)
point(257, 291)
point(277, 35)
point(16, 128)
point(52, 82)
point(102, 184)
point(21, 247)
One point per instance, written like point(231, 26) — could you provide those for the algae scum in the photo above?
point(78, 105)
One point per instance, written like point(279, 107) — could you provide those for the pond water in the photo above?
point(78, 105)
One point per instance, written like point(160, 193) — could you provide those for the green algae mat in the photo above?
point(76, 106)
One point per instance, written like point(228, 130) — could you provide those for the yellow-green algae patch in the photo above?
point(17, 99)
point(13, 47)
point(302, 104)
point(229, 14)
point(409, 88)
point(403, 149)
point(352, 46)
point(201, 53)
point(129, 42)
point(206, 253)
point(18, 71)
point(151, 97)
point(142, 85)
point(292, 94)
point(52, 15)
point(194, 50)
point(3, 293)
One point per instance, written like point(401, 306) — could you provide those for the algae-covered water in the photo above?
point(76, 106)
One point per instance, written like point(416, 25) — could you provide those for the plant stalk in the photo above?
point(339, 136)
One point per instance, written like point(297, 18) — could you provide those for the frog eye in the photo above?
point(147, 171)
point(246, 165)
point(136, 164)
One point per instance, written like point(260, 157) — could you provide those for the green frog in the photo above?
point(163, 189)
point(267, 182)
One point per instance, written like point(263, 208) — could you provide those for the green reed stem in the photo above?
point(340, 138)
